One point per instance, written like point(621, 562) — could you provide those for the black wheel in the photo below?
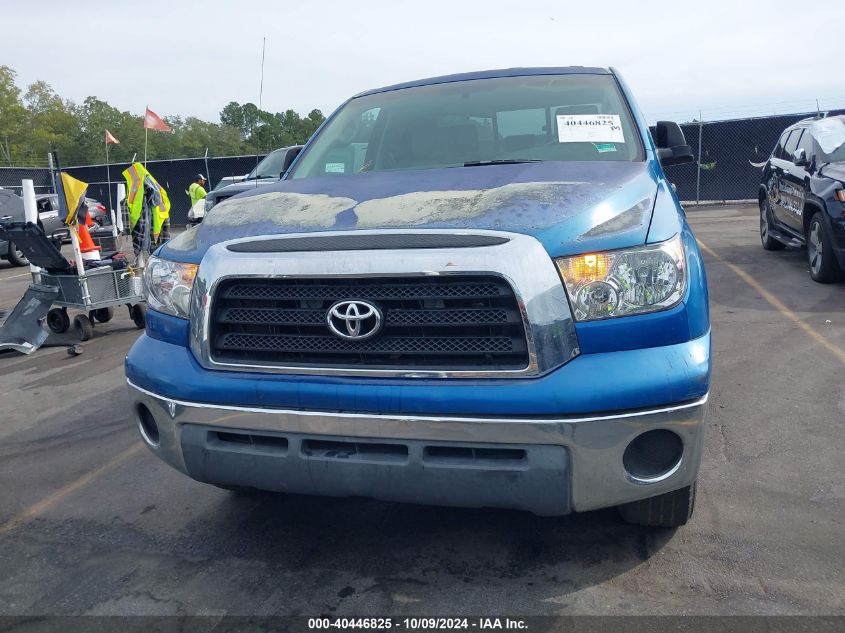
point(769, 243)
point(16, 256)
point(57, 320)
point(84, 328)
point(823, 265)
point(671, 509)
point(102, 315)
point(138, 312)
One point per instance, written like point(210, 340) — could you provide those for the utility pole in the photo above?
point(698, 166)
point(52, 166)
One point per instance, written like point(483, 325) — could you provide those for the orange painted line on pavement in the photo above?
point(40, 507)
point(777, 304)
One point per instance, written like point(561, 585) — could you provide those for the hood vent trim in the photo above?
point(366, 242)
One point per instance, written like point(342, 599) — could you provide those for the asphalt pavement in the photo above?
point(92, 523)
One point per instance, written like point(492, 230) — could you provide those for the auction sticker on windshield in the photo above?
point(589, 128)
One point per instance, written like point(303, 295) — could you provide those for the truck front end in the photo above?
point(476, 290)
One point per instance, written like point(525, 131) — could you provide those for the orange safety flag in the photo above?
point(110, 139)
point(152, 121)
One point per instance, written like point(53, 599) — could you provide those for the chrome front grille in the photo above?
point(440, 323)
point(454, 304)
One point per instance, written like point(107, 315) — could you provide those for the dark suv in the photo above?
point(802, 194)
point(268, 171)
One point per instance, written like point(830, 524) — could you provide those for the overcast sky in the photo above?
point(725, 57)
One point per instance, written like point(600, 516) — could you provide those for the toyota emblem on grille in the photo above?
point(354, 320)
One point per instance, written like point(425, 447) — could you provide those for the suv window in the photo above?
point(791, 144)
point(523, 118)
point(270, 166)
point(778, 151)
point(806, 143)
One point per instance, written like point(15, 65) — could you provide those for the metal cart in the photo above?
point(96, 292)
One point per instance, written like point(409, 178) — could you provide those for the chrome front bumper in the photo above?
point(586, 452)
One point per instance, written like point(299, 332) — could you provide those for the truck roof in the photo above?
point(488, 74)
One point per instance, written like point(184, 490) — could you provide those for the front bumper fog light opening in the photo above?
point(147, 426)
point(653, 456)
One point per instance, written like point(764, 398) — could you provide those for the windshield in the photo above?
point(270, 166)
point(829, 135)
point(476, 122)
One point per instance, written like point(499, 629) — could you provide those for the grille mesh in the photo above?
point(390, 291)
point(434, 322)
point(392, 345)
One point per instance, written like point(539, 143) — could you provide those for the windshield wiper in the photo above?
point(501, 161)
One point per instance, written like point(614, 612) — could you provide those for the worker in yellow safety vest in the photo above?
point(143, 189)
point(197, 193)
point(197, 189)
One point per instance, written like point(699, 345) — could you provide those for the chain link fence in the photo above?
point(729, 156)
point(11, 177)
point(174, 175)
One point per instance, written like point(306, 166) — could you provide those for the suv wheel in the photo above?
point(671, 509)
point(823, 265)
point(769, 243)
point(16, 256)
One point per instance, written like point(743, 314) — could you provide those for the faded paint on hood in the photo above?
point(569, 207)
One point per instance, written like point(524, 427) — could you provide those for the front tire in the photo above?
point(769, 243)
point(823, 265)
point(671, 509)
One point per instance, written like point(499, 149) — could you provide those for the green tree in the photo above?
point(12, 115)
point(262, 131)
point(51, 123)
point(196, 135)
point(233, 116)
point(95, 117)
point(40, 121)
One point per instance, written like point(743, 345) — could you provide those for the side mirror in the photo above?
point(800, 159)
point(291, 155)
point(672, 148)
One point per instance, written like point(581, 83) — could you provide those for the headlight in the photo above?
point(625, 282)
point(168, 286)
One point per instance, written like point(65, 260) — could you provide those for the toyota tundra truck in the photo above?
point(476, 290)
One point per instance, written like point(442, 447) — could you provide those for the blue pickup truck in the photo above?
point(476, 290)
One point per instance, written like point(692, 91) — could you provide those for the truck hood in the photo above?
point(239, 187)
point(834, 170)
point(570, 207)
